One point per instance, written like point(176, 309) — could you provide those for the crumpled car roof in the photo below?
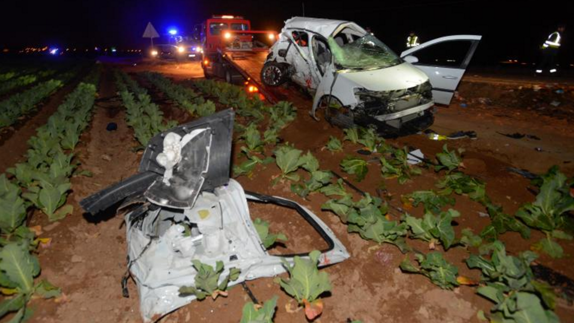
point(324, 27)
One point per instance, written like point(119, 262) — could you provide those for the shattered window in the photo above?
point(364, 53)
point(301, 38)
point(215, 28)
point(322, 54)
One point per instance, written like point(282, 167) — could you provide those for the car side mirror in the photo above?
point(282, 52)
point(411, 59)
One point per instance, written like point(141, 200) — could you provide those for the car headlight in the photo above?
point(154, 53)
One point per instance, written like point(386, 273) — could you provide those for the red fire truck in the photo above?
point(233, 51)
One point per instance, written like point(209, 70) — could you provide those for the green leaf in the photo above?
point(408, 267)
point(352, 135)
point(18, 267)
point(547, 293)
point(550, 247)
point(469, 239)
point(309, 162)
point(288, 159)
point(491, 293)
point(529, 309)
point(263, 315)
point(207, 280)
point(47, 290)
point(268, 239)
point(435, 267)
point(335, 189)
point(432, 201)
point(355, 166)
point(12, 304)
point(434, 227)
point(62, 213)
point(552, 202)
point(306, 282)
point(449, 160)
point(12, 207)
point(334, 144)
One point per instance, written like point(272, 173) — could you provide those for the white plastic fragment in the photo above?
point(415, 157)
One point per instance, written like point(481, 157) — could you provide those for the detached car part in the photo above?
point(182, 206)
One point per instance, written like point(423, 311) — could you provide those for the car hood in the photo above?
point(402, 76)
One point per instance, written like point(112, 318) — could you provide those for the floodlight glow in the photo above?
point(173, 32)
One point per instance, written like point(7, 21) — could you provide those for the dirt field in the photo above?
point(87, 255)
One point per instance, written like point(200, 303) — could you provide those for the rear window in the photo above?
point(215, 28)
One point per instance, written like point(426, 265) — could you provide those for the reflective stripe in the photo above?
point(538, 71)
point(553, 70)
point(412, 41)
point(555, 43)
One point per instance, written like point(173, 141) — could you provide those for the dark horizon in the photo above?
point(510, 30)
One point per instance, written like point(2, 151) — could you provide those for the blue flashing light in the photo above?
point(173, 31)
point(54, 51)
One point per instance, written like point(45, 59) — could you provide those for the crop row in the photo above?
point(42, 183)
point(22, 81)
point(142, 115)
point(23, 103)
point(184, 96)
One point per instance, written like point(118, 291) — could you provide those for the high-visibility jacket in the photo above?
point(412, 41)
point(553, 40)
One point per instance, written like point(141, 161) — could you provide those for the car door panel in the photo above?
point(444, 73)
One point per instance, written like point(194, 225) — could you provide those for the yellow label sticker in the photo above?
point(203, 214)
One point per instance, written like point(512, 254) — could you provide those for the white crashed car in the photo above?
point(356, 79)
point(182, 206)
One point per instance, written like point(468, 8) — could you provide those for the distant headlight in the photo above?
point(198, 49)
point(180, 49)
point(154, 53)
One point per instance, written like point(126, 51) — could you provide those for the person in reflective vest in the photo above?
point(550, 50)
point(412, 40)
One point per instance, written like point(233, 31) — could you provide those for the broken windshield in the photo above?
point(364, 53)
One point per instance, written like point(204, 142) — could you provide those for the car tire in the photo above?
point(336, 114)
point(273, 74)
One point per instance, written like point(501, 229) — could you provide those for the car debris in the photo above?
point(182, 206)
point(355, 78)
point(518, 135)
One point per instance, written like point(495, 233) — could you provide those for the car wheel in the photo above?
point(335, 113)
point(273, 74)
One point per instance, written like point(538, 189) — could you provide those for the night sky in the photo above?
point(510, 29)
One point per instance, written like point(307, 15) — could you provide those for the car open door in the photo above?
point(444, 60)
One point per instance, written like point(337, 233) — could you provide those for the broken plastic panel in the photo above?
point(194, 211)
point(214, 173)
point(163, 242)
